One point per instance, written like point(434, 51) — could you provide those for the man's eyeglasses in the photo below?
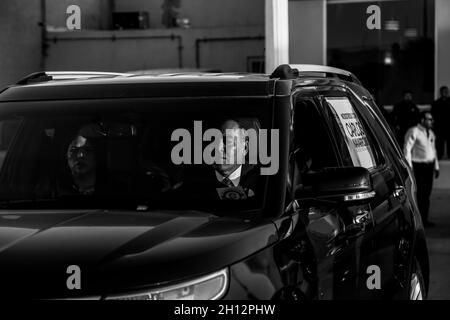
point(75, 152)
point(430, 119)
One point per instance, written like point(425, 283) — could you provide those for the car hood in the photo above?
point(119, 251)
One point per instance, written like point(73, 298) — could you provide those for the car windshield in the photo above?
point(135, 153)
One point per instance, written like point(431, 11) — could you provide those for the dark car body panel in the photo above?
point(121, 251)
point(137, 87)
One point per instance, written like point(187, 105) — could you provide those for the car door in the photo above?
point(358, 140)
point(336, 233)
point(403, 193)
point(389, 215)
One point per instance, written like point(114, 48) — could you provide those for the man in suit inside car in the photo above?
point(234, 174)
point(232, 178)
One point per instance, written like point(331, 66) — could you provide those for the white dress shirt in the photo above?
point(420, 146)
point(235, 176)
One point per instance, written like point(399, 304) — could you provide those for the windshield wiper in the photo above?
point(79, 202)
point(12, 203)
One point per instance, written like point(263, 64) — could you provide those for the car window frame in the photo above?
point(18, 108)
point(378, 155)
point(381, 130)
point(311, 93)
point(296, 94)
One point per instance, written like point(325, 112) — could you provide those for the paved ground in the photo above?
point(439, 237)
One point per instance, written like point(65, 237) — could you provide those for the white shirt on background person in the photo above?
point(420, 147)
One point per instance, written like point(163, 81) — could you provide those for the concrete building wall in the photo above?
point(95, 14)
point(307, 32)
point(20, 36)
point(442, 44)
point(20, 39)
point(202, 13)
point(101, 53)
point(208, 19)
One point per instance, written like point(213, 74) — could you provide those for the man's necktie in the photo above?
point(228, 182)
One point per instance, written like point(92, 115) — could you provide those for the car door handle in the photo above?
point(362, 218)
point(399, 192)
point(360, 221)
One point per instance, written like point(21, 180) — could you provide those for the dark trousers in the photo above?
point(424, 174)
point(442, 138)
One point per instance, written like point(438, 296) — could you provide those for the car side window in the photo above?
point(312, 148)
point(8, 129)
point(372, 136)
point(386, 137)
point(384, 127)
point(354, 132)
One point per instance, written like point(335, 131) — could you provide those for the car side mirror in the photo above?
point(344, 184)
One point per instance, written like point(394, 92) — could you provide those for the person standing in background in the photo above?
point(420, 152)
point(405, 115)
point(440, 109)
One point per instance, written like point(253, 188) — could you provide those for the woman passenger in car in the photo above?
point(82, 162)
point(121, 175)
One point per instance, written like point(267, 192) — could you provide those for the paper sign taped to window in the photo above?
point(357, 143)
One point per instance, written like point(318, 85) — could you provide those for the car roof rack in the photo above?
point(44, 76)
point(293, 71)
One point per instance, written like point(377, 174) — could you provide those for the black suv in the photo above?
point(107, 192)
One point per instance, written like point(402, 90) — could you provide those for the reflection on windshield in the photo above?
point(110, 159)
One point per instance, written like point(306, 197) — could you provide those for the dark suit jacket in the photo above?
point(441, 113)
point(203, 180)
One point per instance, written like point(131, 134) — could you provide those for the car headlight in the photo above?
point(210, 287)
